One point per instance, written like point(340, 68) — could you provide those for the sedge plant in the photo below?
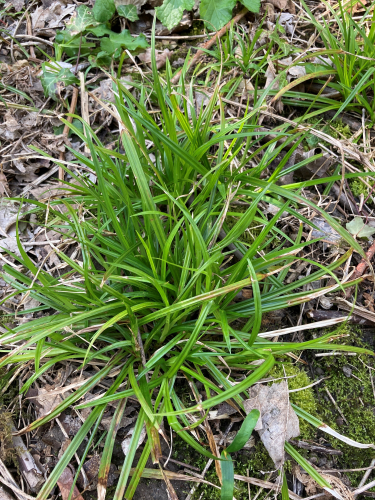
point(151, 294)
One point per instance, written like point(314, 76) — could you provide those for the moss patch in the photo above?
point(358, 188)
point(349, 383)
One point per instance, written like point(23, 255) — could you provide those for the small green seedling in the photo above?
point(242, 437)
point(359, 229)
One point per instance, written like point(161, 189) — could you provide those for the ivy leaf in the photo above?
point(358, 228)
point(251, 5)
point(54, 80)
point(117, 42)
point(100, 30)
point(59, 130)
point(81, 20)
point(216, 13)
point(103, 10)
point(128, 11)
point(101, 59)
point(73, 44)
point(171, 12)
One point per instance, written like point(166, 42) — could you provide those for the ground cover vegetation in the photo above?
point(180, 295)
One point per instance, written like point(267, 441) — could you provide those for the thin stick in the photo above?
point(365, 476)
point(336, 405)
point(30, 32)
point(66, 129)
point(210, 43)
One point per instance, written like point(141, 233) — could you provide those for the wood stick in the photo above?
point(210, 43)
point(73, 105)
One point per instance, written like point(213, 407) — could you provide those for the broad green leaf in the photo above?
point(358, 228)
point(243, 435)
point(251, 5)
point(102, 58)
point(53, 81)
point(103, 10)
point(128, 11)
point(216, 13)
point(227, 472)
point(171, 12)
point(117, 42)
point(100, 30)
point(82, 18)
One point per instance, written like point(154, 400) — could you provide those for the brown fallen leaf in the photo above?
point(161, 57)
point(369, 301)
point(278, 422)
point(65, 484)
point(4, 187)
point(284, 5)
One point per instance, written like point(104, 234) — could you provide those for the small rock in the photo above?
point(347, 371)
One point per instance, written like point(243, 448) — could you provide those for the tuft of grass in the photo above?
point(150, 296)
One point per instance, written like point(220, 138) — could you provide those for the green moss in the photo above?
point(355, 398)
point(358, 187)
point(336, 129)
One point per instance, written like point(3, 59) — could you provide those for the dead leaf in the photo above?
point(46, 402)
point(52, 16)
point(91, 468)
point(17, 4)
point(312, 487)
point(65, 483)
point(125, 445)
point(224, 410)
point(10, 128)
point(9, 211)
point(278, 422)
point(325, 232)
point(4, 187)
point(369, 301)
point(28, 467)
point(284, 5)
point(10, 244)
point(229, 439)
point(270, 75)
point(125, 421)
point(286, 20)
point(161, 57)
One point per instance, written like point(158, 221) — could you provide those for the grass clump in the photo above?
point(151, 296)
